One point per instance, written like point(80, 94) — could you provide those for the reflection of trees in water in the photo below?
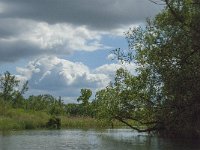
point(114, 139)
point(145, 142)
point(138, 142)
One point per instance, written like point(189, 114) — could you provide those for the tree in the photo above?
point(128, 100)
point(167, 86)
point(86, 108)
point(85, 96)
point(11, 90)
point(46, 103)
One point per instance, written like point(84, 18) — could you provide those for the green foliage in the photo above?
point(45, 103)
point(81, 110)
point(85, 96)
point(21, 119)
point(42, 111)
point(126, 100)
point(8, 84)
point(11, 90)
point(85, 108)
point(54, 123)
point(164, 96)
point(73, 109)
point(86, 122)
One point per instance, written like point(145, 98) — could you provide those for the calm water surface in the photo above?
point(111, 139)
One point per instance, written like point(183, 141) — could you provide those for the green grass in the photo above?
point(19, 119)
point(83, 122)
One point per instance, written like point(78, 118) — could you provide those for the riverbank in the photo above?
point(19, 119)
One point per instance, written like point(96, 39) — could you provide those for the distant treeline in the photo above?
point(43, 111)
point(11, 94)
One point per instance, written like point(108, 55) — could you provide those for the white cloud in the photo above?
point(56, 36)
point(120, 31)
point(32, 28)
point(21, 38)
point(65, 37)
point(110, 69)
point(61, 77)
point(111, 57)
point(49, 29)
point(52, 74)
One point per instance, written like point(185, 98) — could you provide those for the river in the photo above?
point(77, 139)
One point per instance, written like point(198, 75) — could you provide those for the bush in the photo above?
point(54, 123)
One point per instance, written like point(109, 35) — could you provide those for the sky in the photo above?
point(61, 46)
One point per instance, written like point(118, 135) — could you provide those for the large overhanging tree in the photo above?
point(165, 95)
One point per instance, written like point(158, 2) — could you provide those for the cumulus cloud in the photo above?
point(64, 78)
point(44, 30)
point(111, 57)
point(21, 38)
point(110, 69)
point(33, 28)
point(98, 14)
point(57, 75)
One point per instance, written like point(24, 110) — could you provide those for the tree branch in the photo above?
point(143, 123)
point(154, 128)
point(156, 2)
point(173, 12)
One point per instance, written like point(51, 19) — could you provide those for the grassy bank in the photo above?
point(86, 122)
point(19, 119)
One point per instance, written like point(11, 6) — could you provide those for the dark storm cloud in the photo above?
point(98, 14)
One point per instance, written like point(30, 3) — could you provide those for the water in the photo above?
point(111, 139)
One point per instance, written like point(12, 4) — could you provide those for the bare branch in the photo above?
point(141, 122)
point(154, 128)
point(157, 3)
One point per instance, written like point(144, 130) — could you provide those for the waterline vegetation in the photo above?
point(44, 111)
point(20, 119)
point(164, 96)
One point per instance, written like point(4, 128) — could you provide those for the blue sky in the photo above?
point(61, 46)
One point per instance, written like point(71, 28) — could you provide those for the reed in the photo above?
point(20, 119)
